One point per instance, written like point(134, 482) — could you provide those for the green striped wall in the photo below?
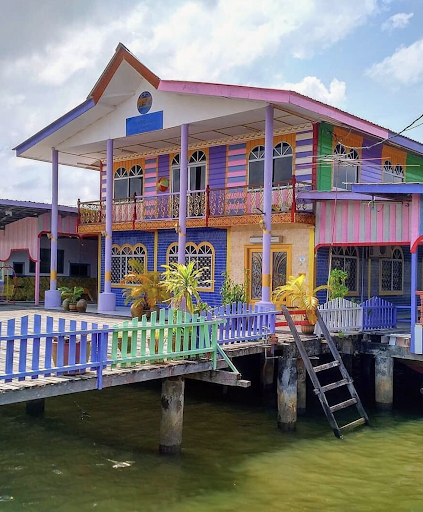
point(324, 169)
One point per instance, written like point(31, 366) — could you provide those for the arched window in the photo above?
point(175, 174)
point(392, 174)
point(346, 259)
point(126, 184)
point(282, 163)
point(345, 167)
point(121, 256)
point(197, 171)
point(256, 167)
point(391, 273)
point(203, 256)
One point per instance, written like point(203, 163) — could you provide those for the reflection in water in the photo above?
point(234, 459)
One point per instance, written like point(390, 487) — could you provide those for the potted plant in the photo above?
point(297, 293)
point(74, 297)
point(181, 281)
point(143, 289)
point(337, 286)
point(233, 292)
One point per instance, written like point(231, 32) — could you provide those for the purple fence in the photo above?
point(378, 314)
point(243, 323)
point(49, 346)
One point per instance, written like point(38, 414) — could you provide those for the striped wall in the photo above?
point(23, 234)
point(303, 155)
point(163, 167)
point(103, 183)
point(356, 222)
point(237, 165)
point(150, 177)
point(217, 166)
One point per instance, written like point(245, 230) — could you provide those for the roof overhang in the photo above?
point(245, 116)
point(12, 211)
point(382, 189)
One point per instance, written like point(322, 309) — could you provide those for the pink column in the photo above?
point(107, 299)
point(267, 207)
point(52, 296)
point(183, 181)
point(37, 274)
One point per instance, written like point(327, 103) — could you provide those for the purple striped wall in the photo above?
point(303, 155)
point(150, 177)
point(371, 166)
point(163, 167)
point(237, 169)
point(217, 166)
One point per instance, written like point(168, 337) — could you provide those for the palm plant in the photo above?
point(143, 288)
point(298, 293)
point(182, 282)
point(72, 294)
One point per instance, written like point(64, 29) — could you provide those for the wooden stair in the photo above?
point(320, 390)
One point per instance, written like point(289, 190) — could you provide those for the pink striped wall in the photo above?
point(23, 234)
point(356, 222)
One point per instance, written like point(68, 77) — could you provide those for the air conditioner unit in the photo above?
point(380, 251)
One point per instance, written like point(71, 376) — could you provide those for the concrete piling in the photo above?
point(301, 387)
point(172, 415)
point(287, 393)
point(384, 382)
point(35, 407)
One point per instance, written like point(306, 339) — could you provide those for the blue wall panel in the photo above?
point(217, 238)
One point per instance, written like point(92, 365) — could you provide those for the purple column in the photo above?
point(37, 274)
point(107, 299)
point(414, 260)
point(267, 207)
point(52, 296)
point(183, 180)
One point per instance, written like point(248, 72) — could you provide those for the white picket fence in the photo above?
point(340, 315)
point(345, 315)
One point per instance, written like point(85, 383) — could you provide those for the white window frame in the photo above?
point(342, 163)
point(392, 174)
point(192, 253)
point(121, 256)
point(343, 254)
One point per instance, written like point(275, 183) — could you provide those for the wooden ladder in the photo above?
point(320, 390)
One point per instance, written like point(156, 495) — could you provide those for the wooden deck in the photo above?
point(40, 387)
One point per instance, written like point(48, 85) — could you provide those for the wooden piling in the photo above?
point(287, 393)
point(35, 407)
point(301, 387)
point(172, 415)
point(384, 382)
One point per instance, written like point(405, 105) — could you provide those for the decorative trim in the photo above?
point(206, 144)
point(213, 222)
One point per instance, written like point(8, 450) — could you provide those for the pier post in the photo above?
point(384, 382)
point(35, 407)
point(172, 415)
point(301, 387)
point(287, 393)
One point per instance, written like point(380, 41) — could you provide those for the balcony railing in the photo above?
point(209, 203)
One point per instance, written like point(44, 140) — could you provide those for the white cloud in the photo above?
point(314, 88)
point(400, 20)
point(403, 67)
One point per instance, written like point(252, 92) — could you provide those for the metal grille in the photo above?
point(121, 257)
point(203, 257)
point(256, 275)
point(346, 259)
point(392, 272)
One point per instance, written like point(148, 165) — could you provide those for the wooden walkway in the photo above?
point(44, 386)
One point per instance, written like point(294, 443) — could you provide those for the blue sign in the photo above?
point(144, 123)
point(144, 103)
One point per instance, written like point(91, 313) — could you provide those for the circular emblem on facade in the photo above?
point(163, 184)
point(144, 102)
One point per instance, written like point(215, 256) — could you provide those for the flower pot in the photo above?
point(65, 304)
point(307, 329)
point(66, 354)
point(137, 311)
point(72, 307)
point(81, 306)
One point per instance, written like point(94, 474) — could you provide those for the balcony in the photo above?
point(217, 207)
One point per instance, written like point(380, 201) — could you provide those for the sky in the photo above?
point(363, 56)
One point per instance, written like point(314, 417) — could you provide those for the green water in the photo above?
point(234, 459)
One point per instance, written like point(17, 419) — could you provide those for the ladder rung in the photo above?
point(335, 385)
point(343, 405)
point(326, 366)
point(353, 424)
